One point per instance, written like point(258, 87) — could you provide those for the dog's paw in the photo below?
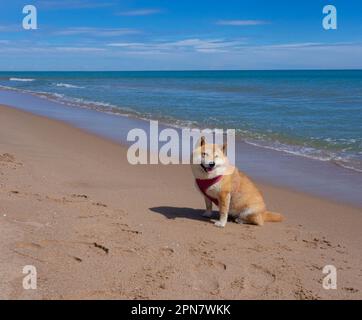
point(239, 221)
point(220, 224)
point(207, 214)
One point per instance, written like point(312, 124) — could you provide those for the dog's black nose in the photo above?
point(211, 164)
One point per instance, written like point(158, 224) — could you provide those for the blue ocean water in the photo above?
point(316, 114)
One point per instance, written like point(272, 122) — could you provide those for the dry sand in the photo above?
point(96, 227)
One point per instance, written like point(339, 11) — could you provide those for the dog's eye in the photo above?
point(204, 154)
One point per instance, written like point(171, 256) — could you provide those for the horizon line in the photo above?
point(193, 70)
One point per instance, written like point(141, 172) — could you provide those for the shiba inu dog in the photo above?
point(228, 188)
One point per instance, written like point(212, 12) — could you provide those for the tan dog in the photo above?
point(228, 188)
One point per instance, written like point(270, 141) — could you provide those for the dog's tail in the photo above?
point(272, 216)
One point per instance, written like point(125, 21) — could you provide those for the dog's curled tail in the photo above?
point(272, 216)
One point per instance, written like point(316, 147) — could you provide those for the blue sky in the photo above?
point(180, 35)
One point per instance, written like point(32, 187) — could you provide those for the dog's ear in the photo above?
point(225, 148)
point(202, 141)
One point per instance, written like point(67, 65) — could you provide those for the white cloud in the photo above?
point(309, 45)
point(73, 4)
point(193, 44)
point(295, 45)
point(126, 44)
point(10, 28)
point(100, 32)
point(49, 49)
point(241, 22)
point(139, 12)
point(79, 49)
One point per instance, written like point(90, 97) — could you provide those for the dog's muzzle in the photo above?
point(209, 167)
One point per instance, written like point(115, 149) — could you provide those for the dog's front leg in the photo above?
point(208, 212)
point(224, 204)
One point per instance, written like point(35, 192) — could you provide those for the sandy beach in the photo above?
point(96, 227)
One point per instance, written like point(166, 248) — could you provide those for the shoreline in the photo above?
point(311, 176)
point(96, 227)
point(113, 110)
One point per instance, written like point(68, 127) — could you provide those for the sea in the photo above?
point(315, 114)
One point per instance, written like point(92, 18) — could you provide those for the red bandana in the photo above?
point(205, 184)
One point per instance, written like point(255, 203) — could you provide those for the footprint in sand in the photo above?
point(167, 251)
point(324, 244)
point(51, 250)
point(6, 157)
point(206, 256)
point(83, 196)
point(99, 204)
point(258, 280)
point(305, 294)
point(238, 284)
point(8, 160)
point(351, 290)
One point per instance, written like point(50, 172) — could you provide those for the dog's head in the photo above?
point(209, 160)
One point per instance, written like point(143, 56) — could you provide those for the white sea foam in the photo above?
point(297, 151)
point(311, 153)
point(6, 88)
point(22, 79)
point(66, 85)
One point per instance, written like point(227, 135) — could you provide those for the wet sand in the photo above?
point(96, 227)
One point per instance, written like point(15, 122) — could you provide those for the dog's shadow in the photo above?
point(177, 212)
